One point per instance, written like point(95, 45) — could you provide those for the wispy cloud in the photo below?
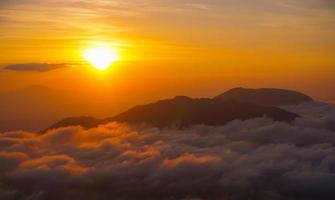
point(243, 24)
point(35, 67)
point(306, 5)
point(198, 6)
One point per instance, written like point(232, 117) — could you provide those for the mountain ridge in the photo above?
point(265, 96)
point(183, 111)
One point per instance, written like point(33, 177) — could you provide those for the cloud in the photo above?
point(253, 159)
point(307, 4)
point(198, 6)
point(35, 67)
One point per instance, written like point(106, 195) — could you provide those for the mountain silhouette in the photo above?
point(184, 111)
point(84, 121)
point(265, 96)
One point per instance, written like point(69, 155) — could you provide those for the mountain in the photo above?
point(265, 96)
point(184, 111)
point(84, 121)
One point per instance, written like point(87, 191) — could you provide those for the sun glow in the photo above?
point(101, 58)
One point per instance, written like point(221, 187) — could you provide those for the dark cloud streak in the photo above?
point(35, 67)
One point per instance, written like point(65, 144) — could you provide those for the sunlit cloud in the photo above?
point(120, 161)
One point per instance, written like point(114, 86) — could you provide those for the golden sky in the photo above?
point(172, 47)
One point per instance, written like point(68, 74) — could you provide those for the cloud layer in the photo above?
point(37, 67)
point(254, 159)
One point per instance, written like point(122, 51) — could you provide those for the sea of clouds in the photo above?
point(257, 159)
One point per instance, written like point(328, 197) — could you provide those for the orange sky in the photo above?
point(168, 48)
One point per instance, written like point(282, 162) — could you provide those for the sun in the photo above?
point(102, 57)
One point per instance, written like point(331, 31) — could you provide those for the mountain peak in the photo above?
point(265, 96)
point(182, 98)
point(84, 121)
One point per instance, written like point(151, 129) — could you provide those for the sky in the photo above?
point(166, 48)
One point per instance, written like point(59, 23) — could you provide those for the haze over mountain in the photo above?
point(35, 107)
point(31, 107)
point(181, 111)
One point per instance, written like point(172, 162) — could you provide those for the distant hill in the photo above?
point(84, 121)
point(265, 96)
point(183, 111)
